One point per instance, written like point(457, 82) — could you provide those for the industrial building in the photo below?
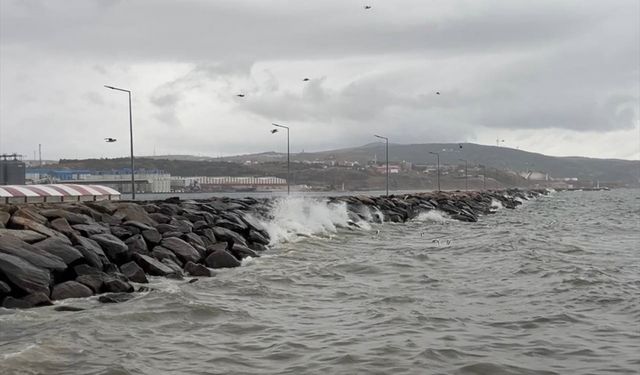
point(12, 170)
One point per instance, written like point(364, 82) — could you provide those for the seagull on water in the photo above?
point(436, 241)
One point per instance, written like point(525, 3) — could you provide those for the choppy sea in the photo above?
point(552, 287)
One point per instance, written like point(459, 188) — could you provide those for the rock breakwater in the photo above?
point(74, 250)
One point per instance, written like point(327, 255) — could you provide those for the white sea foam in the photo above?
point(297, 217)
point(19, 352)
point(433, 216)
point(496, 204)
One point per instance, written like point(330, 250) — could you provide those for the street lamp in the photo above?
point(466, 174)
point(387, 157)
point(438, 156)
point(288, 155)
point(484, 177)
point(133, 183)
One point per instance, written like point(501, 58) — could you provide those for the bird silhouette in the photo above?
point(110, 140)
point(367, 7)
point(306, 79)
point(449, 242)
point(437, 92)
point(240, 95)
point(273, 131)
point(436, 241)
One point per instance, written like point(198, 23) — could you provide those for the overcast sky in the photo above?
point(560, 77)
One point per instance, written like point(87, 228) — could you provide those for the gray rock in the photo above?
point(172, 234)
point(194, 269)
point(61, 249)
point(22, 222)
point(221, 259)
point(152, 236)
point(85, 269)
point(4, 288)
point(4, 218)
point(138, 225)
point(137, 244)
point(62, 225)
point(123, 232)
point(257, 237)
point(34, 255)
point(152, 266)
point(113, 285)
point(134, 273)
point(88, 230)
point(241, 252)
point(28, 301)
point(162, 228)
point(25, 235)
point(116, 250)
point(94, 282)
point(176, 270)
point(30, 214)
point(193, 239)
point(115, 297)
point(70, 289)
point(133, 212)
point(182, 249)
point(160, 218)
point(91, 246)
point(161, 253)
point(225, 234)
point(71, 217)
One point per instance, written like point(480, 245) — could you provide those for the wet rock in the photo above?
point(31, 300)
point(85, 269)
point(230, 225)
point(29, 253)
point(94, 282)
point(138, 225)
point(24, 235)
point(134, 273)
point(160, 218)
point(70, 289)
point(225, 234)
point(88, 230)
point(116, 250)
point(182, 249)
point(65, 308)
point(70, 217)
point(152, 236)
point(62, 225)
point(172, 234)
point(183, 226)
point(176, 270)
point(113, 285)
point(257, 237)
point(137, 244)
point(161, 253)
point(194, 269)
point(61, 249)
point(200, 225)
point(87, 245)
point(241, 252)
point(152, 266)
point(193, 239)
point(115, 297)
point(4, 288)
point(221, 259)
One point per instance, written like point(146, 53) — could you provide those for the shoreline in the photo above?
point(55, 251)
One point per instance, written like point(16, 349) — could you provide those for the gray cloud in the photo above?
point(570, 66)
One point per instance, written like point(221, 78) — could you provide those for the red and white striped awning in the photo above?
point(56, 190)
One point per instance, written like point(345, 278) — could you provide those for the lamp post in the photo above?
point(484, 177)
point(438, 156)
point(133, 183)
point(288, 155)
point(466, 174)
point(386, 140)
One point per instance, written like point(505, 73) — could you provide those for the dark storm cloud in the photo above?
point(513, 65)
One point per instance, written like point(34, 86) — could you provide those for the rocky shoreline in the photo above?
point(109, 248)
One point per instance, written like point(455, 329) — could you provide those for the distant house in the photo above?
point(382, 169)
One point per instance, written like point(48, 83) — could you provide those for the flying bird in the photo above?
point(306, 79)
point(437, 92)
point(367, 7)
point(110, 140)
point(240, 95)
point(460, 145)
point(273, 131)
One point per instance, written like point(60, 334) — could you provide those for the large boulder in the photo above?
point(28, 301)
point(194, 269)
point(133, 272)
point(221, 259)
point(22, 222)
point(61, 249)
point(88, 230)
point(71, 217)
point(25, 235)
point(24, 275)
point(123, 232)
point(70, 289)
point(257, 237)
point(5, 289)
point(91, 246)
point(225, 234)
point(152, 236)
point(62, 225)
point(30, 214)
point(115, 285)
point(94, 282)
point(161, 253)
point(182, 249)
point(116, 250)
point(134, 212)
point(4, 218)
point(152, 266)
point(137, 244)
point(241, 252)
point(34, 255)
point(162, 228)
point(193, 239)
point(138, 225)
